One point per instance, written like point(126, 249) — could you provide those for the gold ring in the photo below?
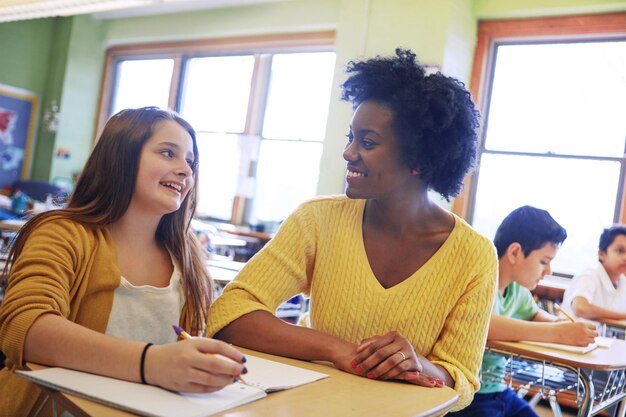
point(403, 355)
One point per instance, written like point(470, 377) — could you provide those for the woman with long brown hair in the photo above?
point(94, 286)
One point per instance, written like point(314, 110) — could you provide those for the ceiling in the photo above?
point(13, 10)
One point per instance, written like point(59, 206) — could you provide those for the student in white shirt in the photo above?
point(600, 293)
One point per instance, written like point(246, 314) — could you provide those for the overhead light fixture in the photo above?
point(13, 10)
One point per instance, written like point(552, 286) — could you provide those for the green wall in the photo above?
point(499, 9)
point(277, 17)
point(25, 50)
point(54, 76)
point(79, 99)
point(34, 54)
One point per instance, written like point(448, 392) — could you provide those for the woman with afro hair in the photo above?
point(400, 289)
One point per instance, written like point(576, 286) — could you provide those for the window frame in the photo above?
point(181, 51)
point(492, 33)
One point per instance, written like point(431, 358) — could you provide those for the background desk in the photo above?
point(341, 394)
point(616, 323)
point(600, 359)
point(613, 328)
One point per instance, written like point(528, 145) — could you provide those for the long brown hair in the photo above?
point(104, 191)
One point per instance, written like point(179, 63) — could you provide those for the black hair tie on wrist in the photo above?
point(142, 363)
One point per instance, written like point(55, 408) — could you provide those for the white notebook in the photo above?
point(604, 342)
point(263, 376)
point(566, 348)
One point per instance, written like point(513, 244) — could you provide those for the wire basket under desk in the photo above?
point(543, 380)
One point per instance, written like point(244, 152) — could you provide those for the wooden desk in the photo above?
point(552, 288)
point(615, 323)
point(12, 225)
point(600, 359)
point(341, 394)
point(224, 271)
point(613, 328)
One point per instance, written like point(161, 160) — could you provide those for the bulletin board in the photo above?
point(18, 111)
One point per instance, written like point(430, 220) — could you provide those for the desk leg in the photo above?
point(587, 400)
point(622, 409)
point(554, 405)
point(58, 398)
point(41, 402)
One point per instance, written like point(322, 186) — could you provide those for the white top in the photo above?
point(595, 286)
point(147, 313)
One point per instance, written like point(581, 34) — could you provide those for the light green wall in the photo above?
point(25, 50)
point(498, 9)
point(79, 101)
point(54, 76)
point(34, 56)
point(279, 17)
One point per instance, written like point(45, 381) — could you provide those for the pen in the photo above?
point(559, 309)
point(180, 332)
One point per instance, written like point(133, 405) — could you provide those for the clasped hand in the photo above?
point(198, 365)
point(391, 356)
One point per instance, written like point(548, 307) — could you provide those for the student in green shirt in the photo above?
point(527, 240)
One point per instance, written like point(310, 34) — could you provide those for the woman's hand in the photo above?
point(342, 354)
point(198, 365)
point(392, 357)
point(578, 334)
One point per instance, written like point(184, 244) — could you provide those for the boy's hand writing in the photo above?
point(577, 334)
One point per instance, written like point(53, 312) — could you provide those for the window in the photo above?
point(259, 109)
point(554, 134)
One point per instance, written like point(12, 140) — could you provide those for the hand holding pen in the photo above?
point(184, 335)
point(575, 332)
point(196, 365)
point(558, 308)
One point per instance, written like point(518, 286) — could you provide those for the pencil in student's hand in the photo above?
point(559, 309)
point(180, 332)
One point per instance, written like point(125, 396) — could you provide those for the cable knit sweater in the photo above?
point(443, 308)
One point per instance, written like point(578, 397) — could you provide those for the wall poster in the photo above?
point(18, 112)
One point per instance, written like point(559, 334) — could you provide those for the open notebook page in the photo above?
point(263, 375)
point(145, 400)
point(566, 348)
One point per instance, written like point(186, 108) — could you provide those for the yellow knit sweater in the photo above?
point(443, 308)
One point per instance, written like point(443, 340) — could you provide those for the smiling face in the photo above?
point(375, 166)
point(529, 270)
point(165, 173)
point(614, 259)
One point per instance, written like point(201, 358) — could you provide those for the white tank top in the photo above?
point(146, 313)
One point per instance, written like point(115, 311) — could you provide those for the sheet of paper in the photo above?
point(566, 348)
point(263, 375)
point(272, 376)
point(141, 399)
point(604, 342)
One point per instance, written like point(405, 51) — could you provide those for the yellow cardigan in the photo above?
point(65, 269)
point(443, 308)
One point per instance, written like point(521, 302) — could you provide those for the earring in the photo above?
point(414, 172)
